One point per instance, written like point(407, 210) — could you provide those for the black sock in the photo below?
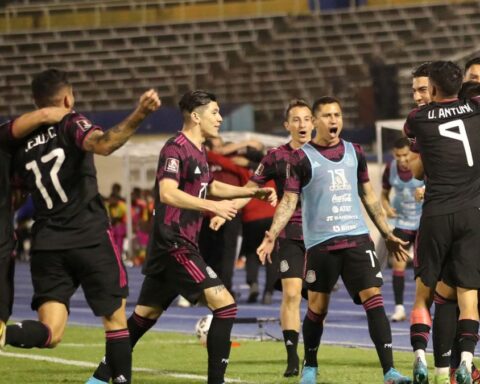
point(290, 338)
point(398, 282)
point(467, 333)
point(28, 334)
point(419, 335)
point(119, 355)
point(137, 327)
point(218, 342)
point(380, 332)
point(444, 329)
point(312, 334)
point(456, 354)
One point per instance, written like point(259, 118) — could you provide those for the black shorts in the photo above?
point(448, 248)
point(358, 267)
point(405, 235)
point(185, 273)
point(56, 275)
point(291, 258)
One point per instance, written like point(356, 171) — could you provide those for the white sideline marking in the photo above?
point(83, 345)
point(86, 364)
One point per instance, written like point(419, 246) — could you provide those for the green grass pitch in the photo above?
point(172, 358)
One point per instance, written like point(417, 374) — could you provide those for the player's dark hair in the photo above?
point(473, 61)
point(195, 99)
point(446, 76)
point(421, 70)
point(469, 89)
point(45, 85)
point(401, 142)
point(293, 104)
point(323, 101)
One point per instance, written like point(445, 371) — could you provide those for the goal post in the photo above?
point(380, 126)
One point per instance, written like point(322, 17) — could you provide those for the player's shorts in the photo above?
point(56, 275)
point(358, 267)
point(405, 235)
point(291, 258)
point(448, 245)
point(185, 273)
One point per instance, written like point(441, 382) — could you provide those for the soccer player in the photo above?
point(72, 244)
point(19, 128)
point(174, 265)
point(404, 211)
point(447, 139)
point(472, 70)
point(332, 177)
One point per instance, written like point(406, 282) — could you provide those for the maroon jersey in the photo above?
point(6, 214)
point(301, 173)
point(447, 136)
point(274, 167)
point(176, 228)
point(61, 176)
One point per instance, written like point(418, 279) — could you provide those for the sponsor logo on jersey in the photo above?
point(84, 125)
point(172, 165)
point(211, 273)
point(284, 267)
point(259, 170)
point(379, 275)
point(311, 276)
point(197, 171)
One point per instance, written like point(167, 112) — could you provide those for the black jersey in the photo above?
point(53, 166)
point(447, 136)
point(6, 219)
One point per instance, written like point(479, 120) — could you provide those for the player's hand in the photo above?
point(397, 247)
point(149, 102)
point(225, 209)
point(216, 222)
point(54, 115)
point(266, 194)
point(264, 251)
point(419, 194)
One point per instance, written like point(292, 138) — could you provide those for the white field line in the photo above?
point(85, 364)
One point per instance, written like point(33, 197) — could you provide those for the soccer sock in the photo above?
point(312, 333)
point(421, 323)
point(467, 333)
point(119, 355)
point(380, 332)
point(28, 334)
point(398, 282)
point(218, 342)
point(443, 330)
point(137, 327)
point(290, 338)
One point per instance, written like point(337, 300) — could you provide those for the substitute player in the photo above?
point(448, 141)
point(332, 177)
point(174, 265)
point(72, 244)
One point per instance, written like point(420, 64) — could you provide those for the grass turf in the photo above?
point(176, 358)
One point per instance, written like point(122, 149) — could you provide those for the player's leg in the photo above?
point(291, 255)
point(398, 283)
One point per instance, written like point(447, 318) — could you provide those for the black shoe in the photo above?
point(252, 297)
point(291, 371)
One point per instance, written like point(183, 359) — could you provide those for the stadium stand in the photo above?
point(263, 60)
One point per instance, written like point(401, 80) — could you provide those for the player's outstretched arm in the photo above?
point(227, 191)
point(104, 143)
point(283, 213)
point(25, 124)
point(171, 195)
point(377, 215)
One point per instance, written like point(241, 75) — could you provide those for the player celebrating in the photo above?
point(446, 136)
point(332, 176)
point(20, 127)
point(404, 211)
point(71, 243)
point(174, 265)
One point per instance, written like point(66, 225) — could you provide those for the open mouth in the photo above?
point(333, 130)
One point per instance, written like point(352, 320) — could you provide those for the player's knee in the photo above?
point(292, 295)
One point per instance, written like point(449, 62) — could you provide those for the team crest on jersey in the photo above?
point(284, 267)
point(311, 276)
point(259, 170)
point(84, 125)
point(211, 273)
point(172, 165)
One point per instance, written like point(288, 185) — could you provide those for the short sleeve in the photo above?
point(298, 172)
point(266, 169)
point(77, 127)
point(170, 163)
